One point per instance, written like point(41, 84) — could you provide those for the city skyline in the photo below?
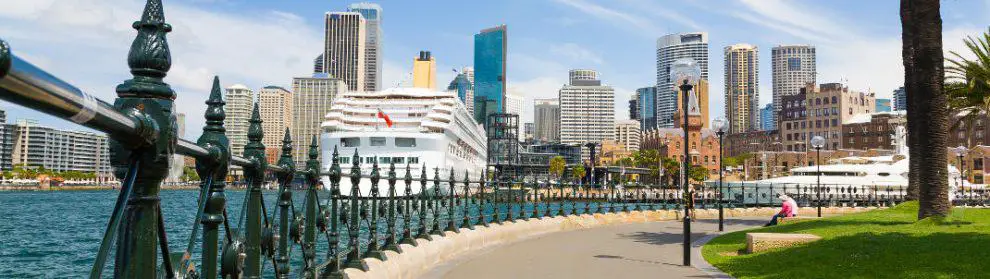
point(211, 30)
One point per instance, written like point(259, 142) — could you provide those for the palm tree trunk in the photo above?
point(927, 112)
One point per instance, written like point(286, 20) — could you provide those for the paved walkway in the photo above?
point(644, 250)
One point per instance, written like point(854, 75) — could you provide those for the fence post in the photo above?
point(354, 220)
point(284, 204)
point(468, 200)
point(149, 100)
point(451, 203)
point(333, 253)
point(215, 170)
point(374, 250)
point(390, 242)
point(407, 208)
point(254, 151)
point(425, 205)
point(312, 207)
point(436, 203)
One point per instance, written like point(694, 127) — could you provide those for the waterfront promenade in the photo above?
point(639, 250)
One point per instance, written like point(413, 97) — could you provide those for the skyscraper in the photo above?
point(489, 72)
point(275, 106)
point(627, 134)
point(318, 64)
point(460, 86)
point(767, 118)
point(310, 104)
point(547, 118)
point(469, 93)
point(669, 48)
point(345, 49)
point(514, 105)
point(900, 99)
point(742, 85)
point(240, 102)
point(587, 110)
point(634, 107)
point(372, 14)
point(794, 67)
point(648, 108)
point(425, 71)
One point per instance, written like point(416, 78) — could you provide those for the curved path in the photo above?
point(641, 250)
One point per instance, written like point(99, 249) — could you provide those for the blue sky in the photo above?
point(260, 43)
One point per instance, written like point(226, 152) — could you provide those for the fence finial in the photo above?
point(149, 57)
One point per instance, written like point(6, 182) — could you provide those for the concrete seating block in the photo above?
point(758, 242)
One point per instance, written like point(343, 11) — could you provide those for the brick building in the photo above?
point(871, 131)
point(751, 142)
point(822, 112)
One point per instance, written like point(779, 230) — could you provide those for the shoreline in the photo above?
point(7, 188)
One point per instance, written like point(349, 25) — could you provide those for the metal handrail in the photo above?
point(27, 85)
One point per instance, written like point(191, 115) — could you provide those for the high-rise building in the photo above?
point(528, 129)
point(547, 117)
point(742, 88)
point(311, 101)
point(425, 71)
point(372, 14)
point(57, 150)
point(767, 119)
point(318, 64)
point(6, 142)
point(648, 108)
point(460, 86)
point(514, 105)
point(794, 67)
point(275, 107)
point(345, 48)
point(883, 105)
point(900, 99)
point(634, 107)
point(176, 168)
point(469, 93)
point(628, 135)
point(489, 72)
point(587, 110)
point(670, 48)
point(240, 102)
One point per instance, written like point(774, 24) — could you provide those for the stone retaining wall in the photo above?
point(418, 260)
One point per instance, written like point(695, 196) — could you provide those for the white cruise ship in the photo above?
point(408, 126)
point(869, 173)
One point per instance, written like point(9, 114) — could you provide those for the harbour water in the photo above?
point(57, 234)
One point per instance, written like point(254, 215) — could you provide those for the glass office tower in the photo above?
point(489, 72)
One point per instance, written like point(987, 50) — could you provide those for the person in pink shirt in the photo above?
point(788, 208)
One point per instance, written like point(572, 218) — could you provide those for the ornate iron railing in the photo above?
point(352, 227)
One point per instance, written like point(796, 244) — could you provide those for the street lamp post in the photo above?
point(960, 152)
point(719, 125)
point(817, 142)
point(687, 72)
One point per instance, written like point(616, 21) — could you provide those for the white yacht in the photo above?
point(407, 126)
point(871, 174)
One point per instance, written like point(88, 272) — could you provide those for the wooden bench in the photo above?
point(758, 242)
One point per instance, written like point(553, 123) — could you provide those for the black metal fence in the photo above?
point(397, 209)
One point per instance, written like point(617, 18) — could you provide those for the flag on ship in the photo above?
point(382, 115)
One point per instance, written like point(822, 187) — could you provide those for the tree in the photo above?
point(927, 105)
point(189, 174)
point(698, 173)
point(968, 82)
point(578, 172)
point(557, 165)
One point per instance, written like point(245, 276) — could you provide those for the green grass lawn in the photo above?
point(886, 243)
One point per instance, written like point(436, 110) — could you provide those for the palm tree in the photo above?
point(927, 111)
point(968, 82)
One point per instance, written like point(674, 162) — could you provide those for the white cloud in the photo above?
point(256, 49)
point(637, 23)
point(576, 52)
